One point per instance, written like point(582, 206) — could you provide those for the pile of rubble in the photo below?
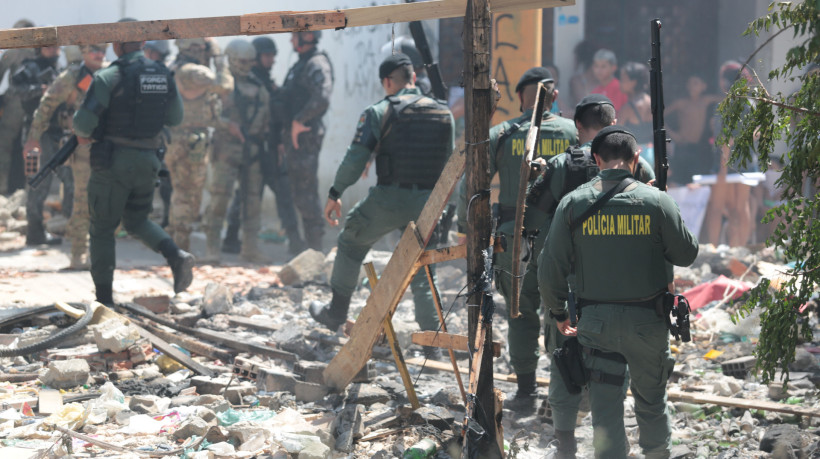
point(238, 372)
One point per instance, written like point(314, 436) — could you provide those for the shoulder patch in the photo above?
point(364, 134)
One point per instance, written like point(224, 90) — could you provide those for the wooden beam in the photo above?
point(692, 397)
point(456, 252)
point(398, 357)
point(173, 352)
point(186, 342)
point(396, 278)
point(256, 325)
point(232, 342)
point(251, 24)
point(447, 341)
point(443, 366)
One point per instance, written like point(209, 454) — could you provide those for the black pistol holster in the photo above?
point(570, 363)
point(101, 155)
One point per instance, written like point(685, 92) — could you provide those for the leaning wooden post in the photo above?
point(478, 103)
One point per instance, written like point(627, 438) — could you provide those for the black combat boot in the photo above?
point(431, 353)
point(36, 235)
point(567, 445)
point(231, 243)
point(181, 263)
point(331, 315)
point(104, 295)
point(525, 397)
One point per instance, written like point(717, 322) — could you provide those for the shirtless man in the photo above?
point(693, 152)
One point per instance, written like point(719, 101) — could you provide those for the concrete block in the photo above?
point(304, 267)
point(234, 394)
point(205, 385)
point(115, 336)
point(739, 367)
point(144, 404)
point(217, 299)
point(271, 380)
point(315, 450)
point(309, 392)
point(366, 394)
point(65, 374)
point(158, 304)
point(310, 371)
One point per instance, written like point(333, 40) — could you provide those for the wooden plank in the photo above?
point(251, 24)
point(398, 357)
point(456, 252)
point(692, 397)
point(447, 341)
point(49, 401)
point(190, 344)
point(256, 325)
point(261, 23)
point(173, 352)
point(437, 302)
point(232, 342)
point(395, 279)
point(443, 366)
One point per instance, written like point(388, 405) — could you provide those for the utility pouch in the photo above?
point(383, 169)
point(101, 155)
point(570, 363)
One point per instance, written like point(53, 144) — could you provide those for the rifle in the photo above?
point(58, 160)
point(520, 204)
point(471, 430)
point(656, 95)
point(436, 81)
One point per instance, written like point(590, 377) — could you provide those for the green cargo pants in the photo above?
point(642, 338)
point(523, 332)
point(124, 192)
point(384, 209)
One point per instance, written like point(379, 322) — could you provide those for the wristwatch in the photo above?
point(559, 317)
point(333, 194)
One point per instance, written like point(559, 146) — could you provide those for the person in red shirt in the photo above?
point(604, 66)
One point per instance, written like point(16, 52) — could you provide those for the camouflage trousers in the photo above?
point(226, 169)
point(187, 162)
point(11, 125)
point(78, 224)
point(36, 197)
point(303, 167)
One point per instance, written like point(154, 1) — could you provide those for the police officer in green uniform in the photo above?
point(412, 137)
point(507, 142)
point(564, 173)
point(621, 257)
point(123, 114)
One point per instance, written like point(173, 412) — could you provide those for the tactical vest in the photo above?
point(295, 89)
point(140, 101)
point(416, 139)
point(581, 168)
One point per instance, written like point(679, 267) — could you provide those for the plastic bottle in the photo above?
point(421, 450)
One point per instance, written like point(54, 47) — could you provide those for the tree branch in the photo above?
point(792, 108)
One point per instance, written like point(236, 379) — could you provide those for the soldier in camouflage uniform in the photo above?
point(53, 118)
point(305, 98)
point(187, 156)
point(11, 122)
point(274, 168)
point(236, 154)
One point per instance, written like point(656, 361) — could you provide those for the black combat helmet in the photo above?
point(264, 45)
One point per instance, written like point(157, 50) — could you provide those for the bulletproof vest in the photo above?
point(140, 101)
point(415, 142)
point(581, 168)
point(248, 106)
point(295, 89)
point(29, 79)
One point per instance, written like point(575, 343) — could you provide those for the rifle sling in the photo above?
point(598, 204)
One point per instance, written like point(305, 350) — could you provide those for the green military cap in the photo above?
point(590, 101)
point(393, 62)
point(532, 76)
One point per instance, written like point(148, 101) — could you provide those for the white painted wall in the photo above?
point(355, 54)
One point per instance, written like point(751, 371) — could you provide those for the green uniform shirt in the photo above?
point(557, 183)
point(369, 127)
point(105, 80)
point(557, 134)
point(619, 254)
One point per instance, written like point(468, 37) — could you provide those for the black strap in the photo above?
point(597, 205)
point(613, 356)
point(599, 376)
